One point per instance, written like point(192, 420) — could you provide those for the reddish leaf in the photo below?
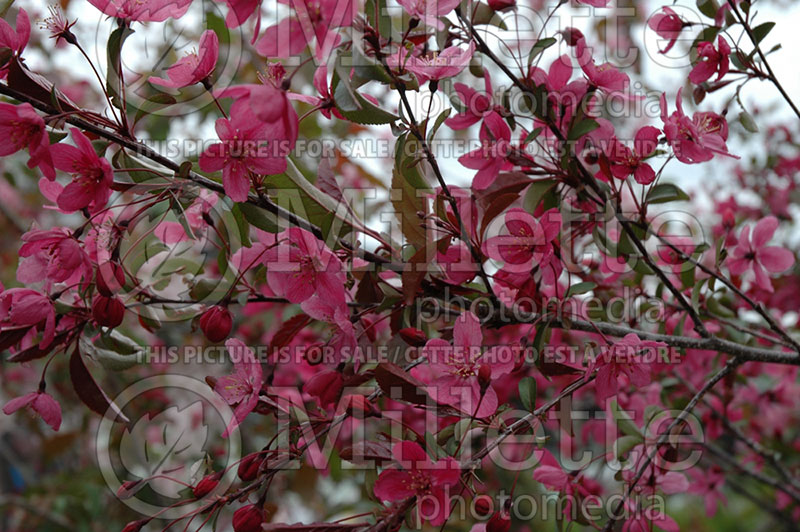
point(498, 206)
point(88, 391)
point(366, 451)
point(288, 331)
point(391, 377)
point(506, 183)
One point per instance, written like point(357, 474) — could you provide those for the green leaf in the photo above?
point(707, 7)
point(484, 14)
point(581, 288)
point(666, 192)
point(761, 31)
point(113, 54)
point(536, 193)
point(540, 46)
point(625, 423)
point(355, 107)
point(439, 121)
point(527, 393)
point(532, 135)
point(582, 128)
point(409, 188)
point(746, 119)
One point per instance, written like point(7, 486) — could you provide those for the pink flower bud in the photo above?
point(110, 278)
point(485, 377)
point(107, 311)
point(413, 337)
point(206, 485)
point(500, 522)
point(216, 323)
point(248, 519)
point(248, 467)
point(483, 505)
point(135, 526)
point(502, 5)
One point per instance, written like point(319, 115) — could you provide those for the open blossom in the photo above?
point(25, 308)
point(21, 127)
point(430, 482)
point(477, 104)
point(39, 403)
point(248, 147)
point(143, 10)
point(490, 158)
point(429, 11)
point(195, 67)
point(455, 369)
point(668, 25)
point(14, 39)
point(605, 76)
point(435, 66)
point(574, 487)
point(625, 161)
point(267, 104)
point(711, 60)
point(242, 387)
point(239, 11)
point(304, 267)
point(696, 139)
point(527, 241)
point(324, 102)
point(624, 361)
point(53, 255)
point(92, 175)
point(752, 253)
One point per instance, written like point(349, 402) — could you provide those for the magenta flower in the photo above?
point(490, 158)
point(143, 10)
point(478, 104)
point(429, 11)
point(14, 39)
point(324, 102)
point(604, 76)
point(53, 255)
point(752, 253)
point(21, 127)
point(39, 403)
point(25, 308)
point(249, 147)
point(625, 161)
point(455, 368)
point(304, 267)
point(440, 65)
point(239, 11)
point(711, 60)
point(92, 175)
point(697, 139)
point(528, 241)
point(195, 67)
point(242, 387)
point(668, 25)
point(622, 362)
point(422, 478)
point(269, 105)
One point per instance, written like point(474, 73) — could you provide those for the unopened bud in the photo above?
point(413, 337)
point(216, 323)
point(502, 5)
point(206, 485)
point(500, 522)
point(107, 311)
point(248, 519)
point(360, 406)
point(484, 377)
point(110, 278)
point(483, 505)
point(249, 466)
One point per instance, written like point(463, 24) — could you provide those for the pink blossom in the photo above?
point(195, 67)
point(269, 105)
point(594, 3)
point(326, 386)
point(242, 387)
point(574, 487)
point(324, 101)
point(454, 368)
point(143, 10)
point(26, 308)
point(711, 60)
point(440, 65)
point(605, 76)
point(527, 241)
point(668, 25)
point(624, 359)
point(429, 11)
point(694, 140)
point(625, 161)
point(239, 11)
point(752, 253)
point(249, 147)
point(708, 484)
point(304, 267)
point(53, 255)
point(92, 175)
point(457, 262)
point(478, 104)
point(41, 404)
point(490, 158)
point(14, 39)
point(21, 127)
point(422, 478)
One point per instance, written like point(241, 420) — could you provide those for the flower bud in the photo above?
point(249, 466)
point(135, 526)
point(484, 377)
point(571, 36)
point(483, 505)
point(248, 519)
point(502, 5)
point(413, 337)
point(127, 489)
point(110, 278)
point(206, 485)
point(107, 311)
point(360, 406)
point(500, 522)
point(216, 323)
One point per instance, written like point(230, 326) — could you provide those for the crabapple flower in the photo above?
point(239, 11)
point(455, 369)
point(303, 268)
point(269, 105)
point(429, 11)
point(668, 25)
point(195, 67)
point(625, 161)
point(54, 256)
point(622, 360)
point(697, 139)
point(242, 387)
point(490, 158)
point(711, 60)
point(324, 101)
point(142, 10)
point(248, 147)
point(25, 308)
point(21, 127)
point(92, 175)
point(216, 323)
point(15, 39)
point(528, 241)
point(41, 404)
point(605, 76)
point(436, 66)
point(429, 481)
point(478, 105)
point(752, 253)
